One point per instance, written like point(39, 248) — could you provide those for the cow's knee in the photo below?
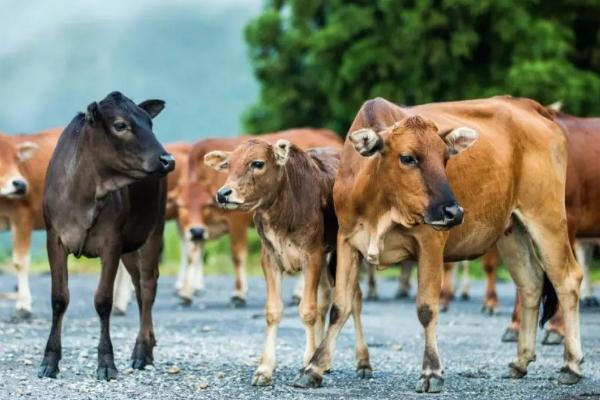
point(103, 304)
point(308, 314)
point(60, 302)
point(273, 314)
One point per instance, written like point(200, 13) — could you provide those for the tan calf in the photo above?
point(23, 163)
point(402, 184)
point(289, 192)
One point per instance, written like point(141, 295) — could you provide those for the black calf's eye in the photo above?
point(408, 160)
point(257, 164)
point(120, 126)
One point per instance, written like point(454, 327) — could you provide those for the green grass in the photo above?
point(217, 255)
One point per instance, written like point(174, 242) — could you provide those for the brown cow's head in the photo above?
point(254, 167)
point(122, 139)
point(12, 183)
point(412, 168)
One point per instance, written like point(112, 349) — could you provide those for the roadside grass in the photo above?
point(217, 260)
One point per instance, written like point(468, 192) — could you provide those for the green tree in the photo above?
point(318, 60)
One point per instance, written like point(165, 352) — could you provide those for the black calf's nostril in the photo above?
point(167, 162)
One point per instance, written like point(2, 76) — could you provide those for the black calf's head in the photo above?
point(122, 138)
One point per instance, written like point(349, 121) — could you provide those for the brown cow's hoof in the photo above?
point(372, 297)
point(591, 301)
point(106, 373)
point(185, 301)
point(49, 367)
point(238, 302)
point(20, 314)
point(489, 309)
point(364, 372)
point(401, 295)
point(515, 372)
point(294, 301)
point(430, 384)
point(465, 297)
point(260, 379)
point(308, 379)
point(510, 336)
point(444, 308)
point(568, 377)
point(552, 338)
point(117, 312)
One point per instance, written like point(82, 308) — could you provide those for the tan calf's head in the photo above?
point(412, 168)
point(253, 169)
point(12, 183)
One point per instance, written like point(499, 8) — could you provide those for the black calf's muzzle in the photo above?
point(166, 163)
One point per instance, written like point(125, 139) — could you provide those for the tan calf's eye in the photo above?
point(257, 164)
point(408, 160)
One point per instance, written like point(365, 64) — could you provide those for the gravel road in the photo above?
point(210, 350)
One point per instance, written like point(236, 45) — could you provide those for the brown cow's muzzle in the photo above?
point(445, 216)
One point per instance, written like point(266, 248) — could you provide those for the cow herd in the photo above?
point(434, 185)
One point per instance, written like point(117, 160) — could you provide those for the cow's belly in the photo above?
point(285, 253)
point(391, 248)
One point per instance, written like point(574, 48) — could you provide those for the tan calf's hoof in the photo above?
point(364, 372)
point(489, 309)
point(238, 302)
point(21, 314)
point(465, 297)
point(308, 379)
point(185, 301)
point(515, 372)
point(430, 384)
point(552, 338)
point(261, 379)
point(117, 312)
point(294, 301)
point(444, 308)
point(510, 336)
point(372, 297)
point(401, 295)
point(568, 377)
point(591, 301)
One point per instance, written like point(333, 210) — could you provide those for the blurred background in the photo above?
point(225, 67)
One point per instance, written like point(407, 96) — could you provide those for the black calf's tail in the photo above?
point(549, 301)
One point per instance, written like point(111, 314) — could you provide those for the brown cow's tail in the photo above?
point(549, 301)
point(332, 267)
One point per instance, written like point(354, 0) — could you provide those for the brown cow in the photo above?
point(395, 199)
point(288, 191)
point(206, 221)
point(23, 164)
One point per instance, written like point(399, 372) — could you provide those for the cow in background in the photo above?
point(23, 163)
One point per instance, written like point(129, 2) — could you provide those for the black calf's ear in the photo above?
point(92, 115)
point(152, 107)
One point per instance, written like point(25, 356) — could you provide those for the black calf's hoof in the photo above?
point(372, 297)
point(48, 369)
point(510, 336)
point(515, 372)
point(552, 338)
point(141, 362)
point(294, 301)
point(238, 302)
point(430, 384)
point(21, 314)
point(465, 297)
point(568, 377)
point(307, 380)
point(444, 308)
point(364, 372)
point(106, 373)
point(489, 310)
point(591, 301)
point(401, 295)
point(185, 301)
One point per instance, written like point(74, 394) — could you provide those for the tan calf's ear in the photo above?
point(281, 149)
point(26, 150)
point(218, 160)
point(366, 141)
point(459, 139)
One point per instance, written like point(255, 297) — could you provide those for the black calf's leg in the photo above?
point(57, 257)
point(103, 302)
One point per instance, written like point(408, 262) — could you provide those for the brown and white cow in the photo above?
point(206, 221)
point(289, 192)
point(23, 163)
point(402, 184)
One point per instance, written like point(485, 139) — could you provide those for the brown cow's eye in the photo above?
point(120, 126)
point(257, 164)
point(408, 160)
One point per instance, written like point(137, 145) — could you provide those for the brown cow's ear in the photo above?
point(25, 150)
point(366, 141)
point(459, 139)
point(152, 107)
point(218, 160)
point(281, 149)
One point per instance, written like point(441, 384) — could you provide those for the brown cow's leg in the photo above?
point(584, 253)
point(57, 257)
point(103, 301)
point(428, 299)
point(239, 249)
point(143, 267)
point(347, 276)
point(517, 251)
point(22, 229)
point(273, 314)
point(555, 332)
point(308, 304)
point(372, 282)
point(447, 293)
point(323, 306)
point(490, 262)
point(404, 281)
point(511, 334)
point(363, 363)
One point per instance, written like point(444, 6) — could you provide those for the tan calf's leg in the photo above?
point(511, 334)
point(404, 283)
point(191, 270)
point(371, 282)
point(447, 293)
point(323, 305)
point(273, 313)
point(21, 230)
point(308, 304)
point(490, 261)
point(428, 299)
point(347, 275)
point(239, 251)
point(517, 251)
point(465, 283)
